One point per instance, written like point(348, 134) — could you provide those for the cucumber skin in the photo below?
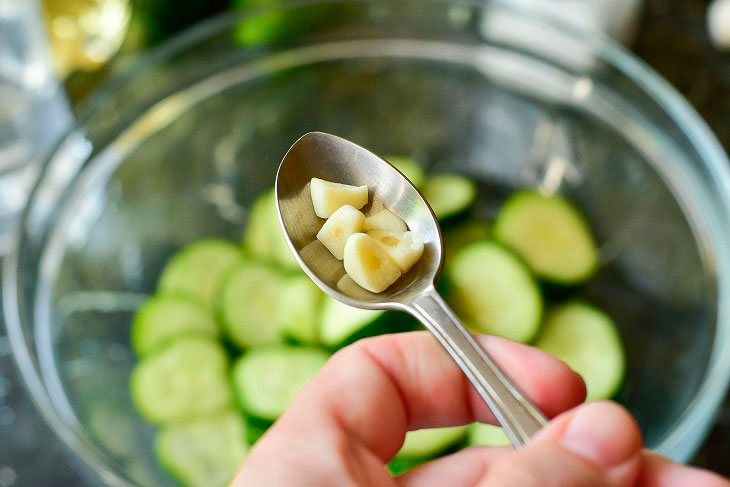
point(445, 287)
point(255, 427)
point(399, 465)
point(553, 286)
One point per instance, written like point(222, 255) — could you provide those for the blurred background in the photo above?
point(55, 53)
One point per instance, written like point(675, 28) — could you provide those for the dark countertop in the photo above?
point(672, 39)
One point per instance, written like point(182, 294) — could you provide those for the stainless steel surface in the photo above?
point(333, 158)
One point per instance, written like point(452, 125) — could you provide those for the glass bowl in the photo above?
point(179, 146)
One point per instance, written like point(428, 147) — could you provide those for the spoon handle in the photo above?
point(515, 413)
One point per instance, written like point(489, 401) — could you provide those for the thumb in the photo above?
point(596, 444)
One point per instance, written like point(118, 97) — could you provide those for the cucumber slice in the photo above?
point(410, 169)
point(184, 379)
point(205, 452)
point(163, 317)
point(550, 234)
point(340, 322)
point(449, 194)
point(198, 268)
point(461, 235)
point(481, 434)
point(427, 443)
point(493, 292)
point(588, 340)
point(264, 237)
point(267, 379)
point(298, 316)
point(248, 304)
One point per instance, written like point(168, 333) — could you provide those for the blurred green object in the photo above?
point(265, 26)
point(155, 20)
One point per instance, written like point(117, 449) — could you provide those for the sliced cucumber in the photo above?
point(461, 235)
point(163, 317)
point(298, 315)
point(586, 339)
point(249, 302)
point(410, 169)
point(493, 292)
point(184, 379)
point(481, 434)
point(198, 269)
point(267, 379)
point(340, 322)
point(205, 452)
point(550, 234)
point(264, 237)
point(449, 194)
point(427, 443)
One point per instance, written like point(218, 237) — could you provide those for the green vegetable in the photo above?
point(492, 291)
point(248, 304)
point(459, 236)
point(267, 379)
point(449, 194)
point(184, 379)
point(550, 234)
point(197, 270)
point(410, 169)
point(264, 237)
point(481, 434)
point(205, 452)
point(340, 322)
point(161, 318)
point(298, 312)
point(427, 443)
point(586, 339)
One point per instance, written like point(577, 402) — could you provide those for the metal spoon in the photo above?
point(332, 158)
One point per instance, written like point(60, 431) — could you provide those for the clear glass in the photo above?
point(179, 147)
point(34, 111)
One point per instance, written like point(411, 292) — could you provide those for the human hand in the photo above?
point(351, 419)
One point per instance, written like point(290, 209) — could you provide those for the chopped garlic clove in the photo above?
point(385, 220)
point(327, 197)
point(338, 228)
point(405, 248)
point(368, 263)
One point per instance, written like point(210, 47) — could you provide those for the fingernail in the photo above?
point(602, 433)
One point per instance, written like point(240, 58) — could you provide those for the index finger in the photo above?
point(377, 389)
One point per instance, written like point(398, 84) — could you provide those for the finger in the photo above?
point(659, 471)
point(464, 468)
point(596, 444)
point(377, 389)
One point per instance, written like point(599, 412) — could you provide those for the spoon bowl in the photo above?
point(335, 159)
point(332, 158)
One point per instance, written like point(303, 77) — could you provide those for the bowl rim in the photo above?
point(693, 422)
